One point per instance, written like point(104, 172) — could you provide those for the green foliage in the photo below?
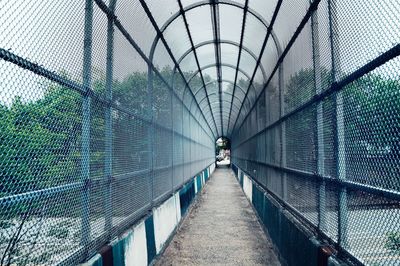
point(393, 242)
point(40, 141)
point(371, 110)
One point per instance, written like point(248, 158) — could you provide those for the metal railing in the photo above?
point(84, 158)
point(328, 151)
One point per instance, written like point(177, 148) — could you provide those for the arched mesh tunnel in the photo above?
point(109, 107)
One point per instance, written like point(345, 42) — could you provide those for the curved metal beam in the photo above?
point(257, 15)
point(270, 32)
point(209, 42)
point(223, 64)
point(223, 100)
point(213, 65)
point(224, 110)
point(244, 19)
point(206, 2)
point(158, 37)
point(231, 102)
point(223, 80)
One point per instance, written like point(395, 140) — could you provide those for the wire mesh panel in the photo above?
point(108, 106)
point(93, 134)
point(330, 131)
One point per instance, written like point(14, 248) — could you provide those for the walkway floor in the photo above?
point(221, 229)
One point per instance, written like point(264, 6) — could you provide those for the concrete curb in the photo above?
point(141, 244)
point(293, 244)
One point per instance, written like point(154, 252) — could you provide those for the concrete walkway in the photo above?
point(221, 229)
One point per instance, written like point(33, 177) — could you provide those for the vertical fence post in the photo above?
point(171, 150)
point(282, 131)
point(85, 167)
point(182, 144)
point(150, 130)
point(339, 149)
point(320, 121)
point(108, 124)
point(190, 146)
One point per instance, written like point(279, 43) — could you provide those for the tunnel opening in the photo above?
point(222, 152)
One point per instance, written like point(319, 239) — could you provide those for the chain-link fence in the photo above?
point(93, 133)
point(322, 135)
point(108, 106)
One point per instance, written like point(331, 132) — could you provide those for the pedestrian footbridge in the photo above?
point(118, 117)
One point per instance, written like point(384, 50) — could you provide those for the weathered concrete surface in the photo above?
point(221, 229)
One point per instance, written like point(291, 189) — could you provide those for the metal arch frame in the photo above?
point(215, 22)
point(205, 2)
point(244, 18)
point(195, 54)
point(213, 65)
point(270, 32)
point(209, 42)
point(224, 65)
point(257, 15)
point(207, 111)
point(224, 115)
point(215, 102)
point(223, 80)
point(205, 67)
point(151, 56)
point(212, 42)
point(231, 94)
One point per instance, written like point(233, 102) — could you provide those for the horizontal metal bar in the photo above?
point(223, 41)
point(32, 195)
point(129, 38)
point(41, 71)
point(269, 32)
point(345, 183)
point(307, 16)
point(301, 218)
point(53, 191)
point(335, 87)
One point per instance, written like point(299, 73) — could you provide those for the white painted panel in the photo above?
point(178, 207)
point(202, 178)
point(136, 247)
point(212, 168)
point(247, 187)
point(195, 185)
point(164, 222)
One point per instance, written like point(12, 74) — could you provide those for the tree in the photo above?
point(371, 112)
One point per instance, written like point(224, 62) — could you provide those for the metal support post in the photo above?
point(282, 132)
point(85, 156)
point(320, 122)
point(150, 131)
point(108, 124)
point(339, 149)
